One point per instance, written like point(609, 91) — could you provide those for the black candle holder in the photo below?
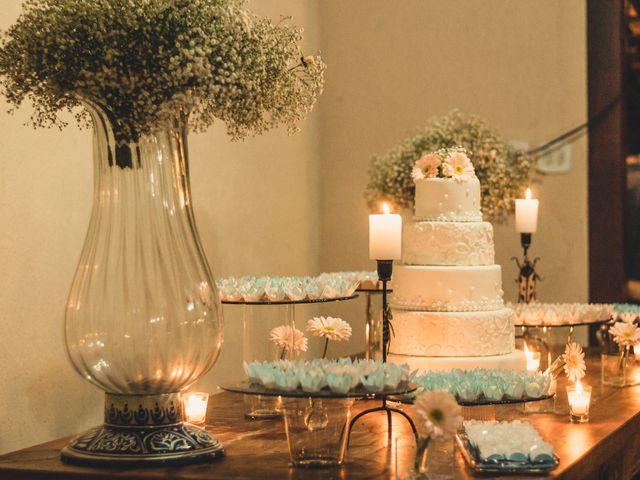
point(385, 270)
point(527, 276)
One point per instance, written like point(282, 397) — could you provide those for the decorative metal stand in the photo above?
point(143, 430)
point(527, 277)
point(385, 269)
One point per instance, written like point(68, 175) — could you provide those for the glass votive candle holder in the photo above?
point(195, 407)
point(579, 402)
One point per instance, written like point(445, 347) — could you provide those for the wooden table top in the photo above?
point(606, 447)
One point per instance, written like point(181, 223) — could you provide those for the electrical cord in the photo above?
point(574, 131)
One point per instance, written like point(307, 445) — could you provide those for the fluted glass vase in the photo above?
point(143, 318)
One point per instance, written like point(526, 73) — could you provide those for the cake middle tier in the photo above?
point(453, 334)
point(448, 243)
point(447, 289)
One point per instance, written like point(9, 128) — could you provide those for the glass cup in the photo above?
point(317, 430)
point(195, 407)
point(579, 403)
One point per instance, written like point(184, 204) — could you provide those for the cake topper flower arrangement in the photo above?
point(329, 328)
point(503, 171)
point(444, 163)
point(148, 62)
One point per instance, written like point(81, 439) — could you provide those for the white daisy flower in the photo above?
point(330, 328)
point(625, 334)
point(439, 414)
point(574, 365)
point(458, 166)
point(282, 337)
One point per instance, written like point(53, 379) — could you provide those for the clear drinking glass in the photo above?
point(317, 430)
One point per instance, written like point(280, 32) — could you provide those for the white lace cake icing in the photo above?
point(448, 310)
point(448, 243)
point(459, 334)
point(443, 199)
point(447, 289)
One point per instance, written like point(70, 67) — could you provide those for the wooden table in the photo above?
point(607, 447)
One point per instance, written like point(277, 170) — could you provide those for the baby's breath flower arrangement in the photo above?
point(503, 172)
point(144, 61)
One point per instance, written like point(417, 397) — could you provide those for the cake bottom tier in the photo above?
point(453, 334)
point(515, 360)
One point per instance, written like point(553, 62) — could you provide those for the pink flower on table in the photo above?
point(331, 328)
point(625, 334)
point(458, 166)
point(284, 338)
point(574, 365)
point(426, 167)
point(439, 414)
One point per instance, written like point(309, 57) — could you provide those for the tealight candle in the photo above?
point(526, 213)
point(385, 235)
point(579, 402)
point(195, 407)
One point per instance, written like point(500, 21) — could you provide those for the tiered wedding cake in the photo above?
point(447, 302)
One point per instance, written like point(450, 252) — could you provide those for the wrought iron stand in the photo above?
point(385, 269)
point(527, 276)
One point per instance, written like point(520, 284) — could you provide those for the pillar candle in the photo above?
point(526, 213)
point(385, 235)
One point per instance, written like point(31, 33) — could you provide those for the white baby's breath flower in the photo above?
point(331, 328)
point(282, 337)
point(625, 334)
point(439, 414)
point(458, 166)
point(574, 365)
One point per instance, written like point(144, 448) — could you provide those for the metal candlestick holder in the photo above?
point(385, 269)
point(527, 277)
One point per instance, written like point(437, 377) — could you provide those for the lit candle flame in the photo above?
point(527, 194)
point(385, 208)
point(526, 351)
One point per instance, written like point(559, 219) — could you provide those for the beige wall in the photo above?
point(255, 205)
point(393, 65)
point(272, 204)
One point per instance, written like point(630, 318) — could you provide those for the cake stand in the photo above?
point(256, 406)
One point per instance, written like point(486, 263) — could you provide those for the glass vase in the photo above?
point(621, 369)
point(143, 318)
point(317, 430)
point(434, 460)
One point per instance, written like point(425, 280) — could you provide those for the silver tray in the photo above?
point(472, 457)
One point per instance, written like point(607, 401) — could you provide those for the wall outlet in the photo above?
point(555, 161)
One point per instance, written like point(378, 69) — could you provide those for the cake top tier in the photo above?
point(447, 188)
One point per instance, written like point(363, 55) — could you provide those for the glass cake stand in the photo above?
point(256, 345)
